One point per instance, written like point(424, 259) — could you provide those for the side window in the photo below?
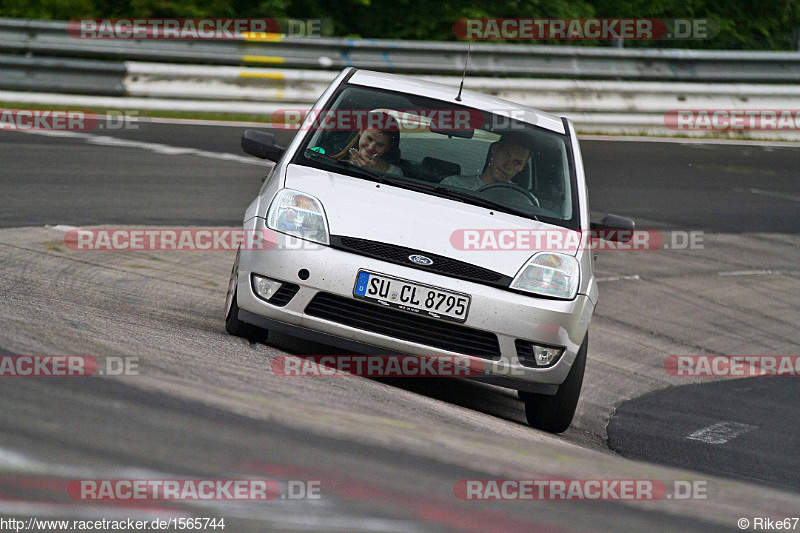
point(551, 185)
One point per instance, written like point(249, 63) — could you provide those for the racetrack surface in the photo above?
point(66, 178)
point(764, 409)
point(387, 453)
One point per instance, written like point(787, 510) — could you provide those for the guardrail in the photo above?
point(51, 39)
point(595, 106)
point(636, 90)
point(62, 75)
point(304, 86)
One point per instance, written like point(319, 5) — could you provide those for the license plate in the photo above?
point(411, 296)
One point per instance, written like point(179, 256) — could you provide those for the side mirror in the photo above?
point(614, 228)
point(262, 145)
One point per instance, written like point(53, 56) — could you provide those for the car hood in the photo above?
point(367, 210)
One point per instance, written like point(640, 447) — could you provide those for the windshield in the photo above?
point(436, 148)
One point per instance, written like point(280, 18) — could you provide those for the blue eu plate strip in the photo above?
point(361, 284)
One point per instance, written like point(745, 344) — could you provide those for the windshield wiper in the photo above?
point(407, 184)
point(373, 174)
point(483, 202)
point(446, 192)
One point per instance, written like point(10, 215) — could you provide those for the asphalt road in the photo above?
point(753, 437)
point(361, 486)
point(687, 186)
point(387, 453)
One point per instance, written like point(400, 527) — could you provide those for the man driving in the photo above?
point(505, 159)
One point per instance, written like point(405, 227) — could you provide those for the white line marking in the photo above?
point(13, 460)
point(721, 433)
point(16, 463)
point(61, 227)
point(80, 509)
point(747, 273)
point(760, 273)
point(772, 194)
point(684, 140)
point(158, 148)
point(618, 278)
point(200, 122)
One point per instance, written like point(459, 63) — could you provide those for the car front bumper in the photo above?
point(508, 315)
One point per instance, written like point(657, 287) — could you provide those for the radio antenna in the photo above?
point(464, 75)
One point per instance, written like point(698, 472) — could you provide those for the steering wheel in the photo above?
point(511, 186)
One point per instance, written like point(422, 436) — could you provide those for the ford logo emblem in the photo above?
point(420, 260)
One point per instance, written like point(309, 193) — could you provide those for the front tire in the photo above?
point(555, 413)
point(233, 325)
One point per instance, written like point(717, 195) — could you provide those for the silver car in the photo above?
point(411, 218)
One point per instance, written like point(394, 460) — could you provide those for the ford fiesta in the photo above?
point(413, 219)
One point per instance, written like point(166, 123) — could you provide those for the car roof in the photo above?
point(394, 82)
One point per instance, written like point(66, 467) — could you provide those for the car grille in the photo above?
point(284, 295)
point(404, 326)
point(441, 265)
point(525, 353)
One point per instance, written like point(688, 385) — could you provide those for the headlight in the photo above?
point(298, 214)
point(549, 274)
